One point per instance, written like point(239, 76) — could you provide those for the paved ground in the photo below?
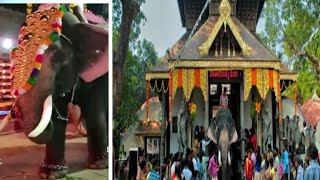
point(20, 159)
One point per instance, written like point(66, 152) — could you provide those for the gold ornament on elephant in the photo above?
point(40, 30)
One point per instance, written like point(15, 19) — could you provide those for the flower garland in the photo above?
point(193, 111)
point(41, 30)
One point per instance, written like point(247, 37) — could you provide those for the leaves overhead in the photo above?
point(292, 29)
point(141, 56)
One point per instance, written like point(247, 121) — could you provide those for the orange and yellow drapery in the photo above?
point(188, 79)
point(263, 80)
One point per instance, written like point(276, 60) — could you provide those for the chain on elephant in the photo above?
point(57, 55)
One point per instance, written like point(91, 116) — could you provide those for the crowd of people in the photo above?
point(276, 165)
point(269, 165)
point(178, 167)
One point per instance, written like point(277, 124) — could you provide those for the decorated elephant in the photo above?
point(61, 58)
point(223, 133)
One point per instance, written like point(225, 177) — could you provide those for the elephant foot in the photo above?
point(99, 162)
point(53, 171)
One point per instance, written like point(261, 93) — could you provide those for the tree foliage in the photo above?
point(140, 57)
point(292, 29)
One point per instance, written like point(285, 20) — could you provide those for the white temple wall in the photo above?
point(199, 101)
point(175, 109)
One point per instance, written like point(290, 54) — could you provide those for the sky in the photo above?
point(163, 27)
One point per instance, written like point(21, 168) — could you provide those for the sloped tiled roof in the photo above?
point(259, 51)
point(163, 66)
point(311, 110)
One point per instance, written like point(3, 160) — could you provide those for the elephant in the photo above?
point(223, 133)
point(68, 73)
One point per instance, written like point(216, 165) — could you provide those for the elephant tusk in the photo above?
point(229, 158)
point(219, 158)
point(45, 118)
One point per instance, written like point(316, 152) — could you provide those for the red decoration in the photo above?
point(254, 76)
point(270, 78)
point(197, 81)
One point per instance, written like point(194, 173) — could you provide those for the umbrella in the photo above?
point(288, 110)
point(154, 110)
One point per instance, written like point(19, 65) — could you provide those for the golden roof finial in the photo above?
point(225, 12)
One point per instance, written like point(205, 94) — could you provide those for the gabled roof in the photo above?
point(163, 66)
point(286, 73)
point(259, 51)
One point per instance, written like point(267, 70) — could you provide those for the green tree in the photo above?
point(292, 29)
point(130, 67)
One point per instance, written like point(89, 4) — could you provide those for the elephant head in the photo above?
point(223, 133)
point(80, 48)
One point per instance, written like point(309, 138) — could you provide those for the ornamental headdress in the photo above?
point(41, 29)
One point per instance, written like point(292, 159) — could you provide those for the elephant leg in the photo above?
point(96, 121)
point(54, 165)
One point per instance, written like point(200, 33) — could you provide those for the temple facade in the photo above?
point(220, 50)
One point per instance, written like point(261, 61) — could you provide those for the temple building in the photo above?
point(220, 50)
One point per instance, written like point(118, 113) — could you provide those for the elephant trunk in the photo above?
point(34, 108)
point(224, 148)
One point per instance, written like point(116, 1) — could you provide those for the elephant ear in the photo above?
point(233, 132)
point(234, 137)
point(91, 45)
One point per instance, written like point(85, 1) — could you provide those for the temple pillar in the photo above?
point(147, 100)
point(241, 133)
point(163, 128)
point(207, 109)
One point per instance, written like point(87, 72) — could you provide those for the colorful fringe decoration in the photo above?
point(54, 36)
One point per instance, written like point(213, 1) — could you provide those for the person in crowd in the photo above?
point(142, 169)
point(204, 144)
point(299, 166)
point(154, 174)
point(201, 170)
point(248, 166)
point(257, 173)
point(163, 173)
point(264, 166)
point(175, 159)
point(286, 165)
point(269, 154)
point(177, 172)
point(224, 99)
point(186, 172)
point(253, 157)
point(194, 162)
point(271, 173)
point(253, 140)
point(276, 164)
point(213, 167)
point(313, 170)
point(293, 171)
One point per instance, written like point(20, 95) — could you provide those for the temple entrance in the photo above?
point(231, 81)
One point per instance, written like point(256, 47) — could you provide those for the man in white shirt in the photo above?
point(204, 144)
point(194, 160)
point(186, 173)
point(276, 160)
